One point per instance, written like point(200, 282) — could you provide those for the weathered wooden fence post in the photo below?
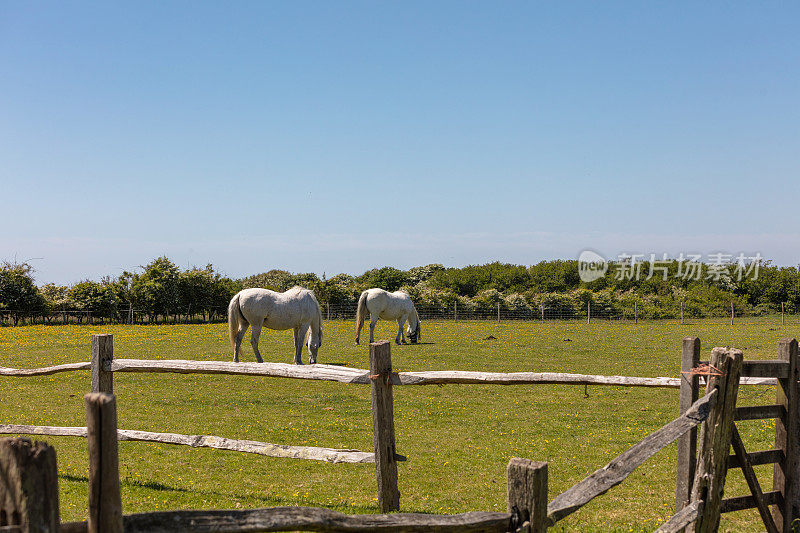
point(380, 369)
point(102, 352)
point(527, 494)
point(28, 486)
point(105, 502)
point(687, 443)
point(709, 481)
point(785, 475)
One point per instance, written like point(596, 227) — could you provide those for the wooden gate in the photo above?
point(783, 498)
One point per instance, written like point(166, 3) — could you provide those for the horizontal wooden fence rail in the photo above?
point(45, 370)
point(361, 376)
point(315, 453)
point(302, 519)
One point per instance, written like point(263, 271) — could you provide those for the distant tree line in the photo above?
point(161, 290)
point(659, 290)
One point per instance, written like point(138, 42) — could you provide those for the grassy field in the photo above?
point(458, 438)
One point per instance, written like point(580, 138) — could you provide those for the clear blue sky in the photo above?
point(340, 136)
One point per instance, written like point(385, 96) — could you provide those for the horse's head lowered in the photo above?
point(413, 336)
point(314, 342)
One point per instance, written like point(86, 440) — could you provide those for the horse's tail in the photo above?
point(361, 314)
point(235, 318)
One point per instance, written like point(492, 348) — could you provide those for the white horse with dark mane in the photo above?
point(295, 309)
point(388, 306)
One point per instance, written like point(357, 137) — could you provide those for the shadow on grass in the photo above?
point(262, 501)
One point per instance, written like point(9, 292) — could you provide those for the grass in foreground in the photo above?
point(458, 438)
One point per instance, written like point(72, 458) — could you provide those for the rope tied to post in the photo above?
point(704, 369)
point(387, 377)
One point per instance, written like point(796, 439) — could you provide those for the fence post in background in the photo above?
point(28, 486)
point(681, 311)
point(498, 312)
point(731, 312)
point(380, 369)
point(455, 311)
point(787, 431)
point(635, 313)
point(588, 312)
point(542, 306)
point(527, 493)
point(709, 480)
point(105, 503)
point(783, 321)
point(687, 443)
point(102, 351)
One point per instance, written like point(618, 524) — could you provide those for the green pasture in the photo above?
point(458, 438)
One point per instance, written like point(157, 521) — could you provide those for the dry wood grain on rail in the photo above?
point(302, 519)
point(682, 518)
point(439, 377)
point(314, 453)
point(360, 376)
point(279, 370)
point(43, 371)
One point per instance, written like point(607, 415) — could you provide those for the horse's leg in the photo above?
point(313, 345)
point(298, 346)
point(237, 346)
point(400, 335)
point(372, 322)
point(254, 340)
point(302, 339)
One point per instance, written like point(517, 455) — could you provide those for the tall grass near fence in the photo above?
point(458, 438)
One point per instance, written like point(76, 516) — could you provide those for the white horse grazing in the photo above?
point(296, 308)
point(389, 306)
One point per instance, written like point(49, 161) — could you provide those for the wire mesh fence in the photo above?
point(456, 312)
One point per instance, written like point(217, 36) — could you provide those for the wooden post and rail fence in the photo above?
point(700, 481)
